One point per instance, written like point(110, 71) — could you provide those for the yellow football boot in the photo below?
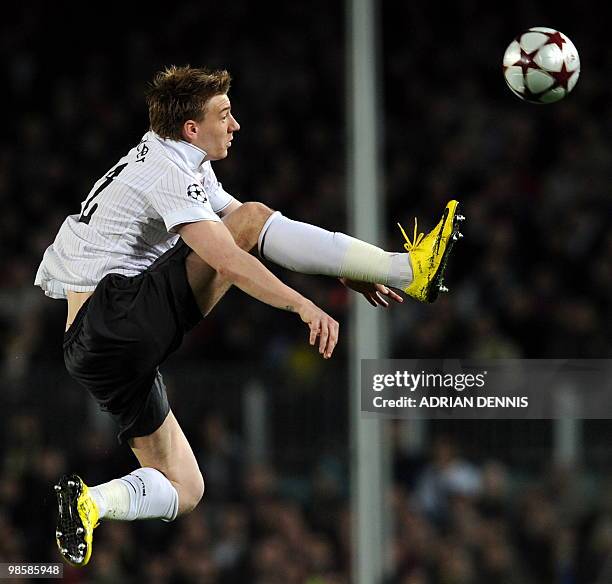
point(429, 254)
point(78, 516)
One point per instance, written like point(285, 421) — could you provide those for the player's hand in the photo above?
point(321, 325)
point(375, 294)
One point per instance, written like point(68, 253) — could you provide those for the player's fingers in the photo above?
point(323, 336)
point(333, 338)
point(382, 289)
point(395, 296)
point(381, 300)
point(369, 298)
point(314, 331)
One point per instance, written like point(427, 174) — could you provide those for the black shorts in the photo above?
point(121, 335)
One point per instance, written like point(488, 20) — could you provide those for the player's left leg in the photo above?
point(308, 249)
point(311, 250)
point(303, 248)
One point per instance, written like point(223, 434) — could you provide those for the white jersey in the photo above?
point(127, 220)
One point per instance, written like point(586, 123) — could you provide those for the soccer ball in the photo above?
point(541, 65)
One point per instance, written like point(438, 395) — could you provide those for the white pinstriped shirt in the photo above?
point(127, 220)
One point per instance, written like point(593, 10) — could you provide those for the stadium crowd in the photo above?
point(532, 278)
point(455, 522)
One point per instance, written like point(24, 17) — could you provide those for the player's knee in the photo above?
point(191, 493)
point(257, 214)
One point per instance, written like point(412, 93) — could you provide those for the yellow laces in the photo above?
point(410, 245)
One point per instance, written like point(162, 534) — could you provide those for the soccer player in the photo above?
point(156, 245)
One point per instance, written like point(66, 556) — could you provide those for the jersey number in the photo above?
point(108, 179)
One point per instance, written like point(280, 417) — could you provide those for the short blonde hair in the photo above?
point(178, 94)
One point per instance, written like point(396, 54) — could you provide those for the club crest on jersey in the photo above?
point(195, 191)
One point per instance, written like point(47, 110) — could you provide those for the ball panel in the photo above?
point(514, 79)
point(532, 41)
point(549, 58)
point(538, 81)
point(570, 56)
point(553, 95)
point(572, 81)
point(512, 54)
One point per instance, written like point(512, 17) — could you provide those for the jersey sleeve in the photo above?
point(180, 198)
point(219, 197)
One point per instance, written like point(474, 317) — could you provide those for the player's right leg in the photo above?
point(168, 451)
point(78, 516)
point(308, 249)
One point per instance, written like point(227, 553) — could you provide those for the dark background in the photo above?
point(481, 502)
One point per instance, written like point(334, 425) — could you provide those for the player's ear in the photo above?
point(190, 130)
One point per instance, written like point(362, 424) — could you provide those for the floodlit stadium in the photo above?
point(460, 436)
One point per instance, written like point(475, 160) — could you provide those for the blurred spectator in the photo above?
point(220, 458)
point(446, 476)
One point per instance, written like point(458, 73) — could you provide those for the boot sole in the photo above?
point(70, 531)
point(433, 290)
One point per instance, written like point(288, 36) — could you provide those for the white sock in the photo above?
point(143, 494)
point(309, 249)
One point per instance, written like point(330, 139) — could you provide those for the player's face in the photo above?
point(215, 132)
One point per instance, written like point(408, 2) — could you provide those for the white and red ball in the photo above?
point(541, 65)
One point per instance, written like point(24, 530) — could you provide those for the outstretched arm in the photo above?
point(213, 242)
